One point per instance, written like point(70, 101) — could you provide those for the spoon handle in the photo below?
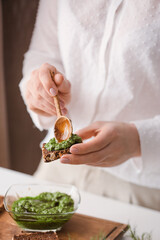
point(56, 101)
point(57, 106)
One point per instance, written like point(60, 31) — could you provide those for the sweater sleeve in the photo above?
point(43, 48)
point(149, 133)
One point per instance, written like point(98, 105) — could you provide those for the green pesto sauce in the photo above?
point(53, 145)
point(31, 212)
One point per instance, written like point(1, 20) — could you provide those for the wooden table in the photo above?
point(145, 220)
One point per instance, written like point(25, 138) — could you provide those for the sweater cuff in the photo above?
point(149, 133)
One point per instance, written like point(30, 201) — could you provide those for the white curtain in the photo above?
point(4, 148)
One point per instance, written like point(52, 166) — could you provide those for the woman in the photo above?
point(110, 52)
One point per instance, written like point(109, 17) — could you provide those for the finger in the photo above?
point(102, 158)
point(65, 97)
point(108, 163)
point(41, 99)
point(98, 165)
point(40, 112)
point(90, 158)
point(39, 94)
point(40, 104)
point(95, 144)
point(114, 156)
point(43, 108)
point(46, 106)
point(64, 111)
point(87, 132)
point(63, 84)
point(45, 97)
point(104, 162)
point(46, 79)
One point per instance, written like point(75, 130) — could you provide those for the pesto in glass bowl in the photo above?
point(41, 207)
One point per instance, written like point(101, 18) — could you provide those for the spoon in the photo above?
point(63, 126)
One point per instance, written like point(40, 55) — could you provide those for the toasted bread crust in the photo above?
point(49, 156)
point(36, 236)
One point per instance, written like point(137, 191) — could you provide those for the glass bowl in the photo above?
point(35, 221)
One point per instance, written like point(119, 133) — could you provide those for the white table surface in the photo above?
point(145, 220)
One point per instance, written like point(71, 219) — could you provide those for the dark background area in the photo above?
point(18, 22)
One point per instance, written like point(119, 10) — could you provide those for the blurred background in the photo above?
point(19, 139)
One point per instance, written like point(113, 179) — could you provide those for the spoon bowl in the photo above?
point(62, 129)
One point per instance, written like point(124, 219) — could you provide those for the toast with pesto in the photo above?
point(54, 150)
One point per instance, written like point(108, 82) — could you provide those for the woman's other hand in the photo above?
point(112, 143)
point(41, 89)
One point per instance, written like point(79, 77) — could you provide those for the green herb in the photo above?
point(133, 235)
point(53, 145)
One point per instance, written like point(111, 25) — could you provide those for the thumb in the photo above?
point(87, 132)
point(62, 83)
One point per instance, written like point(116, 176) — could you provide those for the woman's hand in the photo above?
point(112, 144)
point(41, 89)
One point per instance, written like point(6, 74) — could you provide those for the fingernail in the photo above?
point(53, 91)
point(65, 160)
point(74, 150)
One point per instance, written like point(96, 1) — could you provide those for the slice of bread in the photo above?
point(36, 236)
point(49, 156)
point(1, 204)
